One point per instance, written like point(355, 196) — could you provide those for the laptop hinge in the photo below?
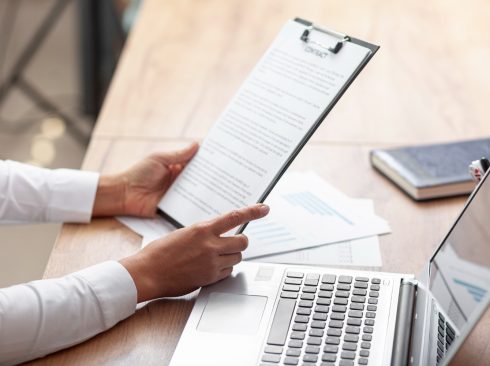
point(404, 321)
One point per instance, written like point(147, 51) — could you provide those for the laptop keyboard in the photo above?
point(445, 337)
point(323, 320)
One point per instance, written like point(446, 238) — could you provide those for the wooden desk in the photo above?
point(185, 59)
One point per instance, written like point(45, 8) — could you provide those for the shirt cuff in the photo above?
point(114, 288)
point(72, 195)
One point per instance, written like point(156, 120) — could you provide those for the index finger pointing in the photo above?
point(228, 221)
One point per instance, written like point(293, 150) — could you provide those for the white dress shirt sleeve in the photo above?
point(32, 194)
point(42, 317)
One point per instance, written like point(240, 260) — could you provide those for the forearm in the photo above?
point(109, 198)
point(42, 317)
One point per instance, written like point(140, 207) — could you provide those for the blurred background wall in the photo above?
point(57, 58)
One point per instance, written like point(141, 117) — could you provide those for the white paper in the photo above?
point(276, 106)
point(149, 229)
point(307, 212)
point(363, 252)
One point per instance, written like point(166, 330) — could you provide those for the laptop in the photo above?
point(269, 314)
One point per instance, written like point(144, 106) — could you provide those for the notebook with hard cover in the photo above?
point(268, 314)
point(265, 125)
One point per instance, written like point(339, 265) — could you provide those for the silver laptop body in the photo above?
point(268, 314)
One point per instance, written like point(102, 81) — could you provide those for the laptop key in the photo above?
point(328, 278)
point(306, 304)
point(353, 330)
point(345, 279)
point(372, 301)
point(314, 341)
point(273, 349)
point(303, 311)
point(359, 292)
point(363, 361)
point(336, 324)
point(310, 358)
point(332, 340)
point(362, 279)
point(295, 274)
point(346, 363)
point(348, 355)
point(323, 301)
point(329, 357)
point(271, 358)
point(369, 322)
point(337, 316)
point(367, 337)
point(326, 287)
point(340, 301)
point(366, 345)
point(312, 349)
point(360, 299)
point(280, 322)
point(289, 295)
point(316, 332)
point(343, 287)
point(354, 321)
point(450, 330)
point(373, 294)
point(295, 352)
point(339, 308)
point(341, 294)
point(356, 306)
point(291, 361)
point(351, 338)
point(311, 282)
point(322, 309)
point(305, 296)
point(368, 330)
point(309, 289)
point(372, 308)
point(376, 281)
point(293, 288)
point(370, 315)
point(318, 324)
point(326, 294)
point(293, 281)
point(374, 287)
point(362, 285)
point(349, 346)
point(330, 349)
point(364, 353)
point(300, 327)
point(334, 332)
point(301, 319)
point(355, 314)
point(295, 344)
point(320, 316)
point(298, 335)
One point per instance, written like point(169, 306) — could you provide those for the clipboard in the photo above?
point(334, 48)
point(342, 38)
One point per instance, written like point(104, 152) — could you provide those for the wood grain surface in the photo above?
point(184, 61)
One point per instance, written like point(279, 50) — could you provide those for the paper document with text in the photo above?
point(278, 106)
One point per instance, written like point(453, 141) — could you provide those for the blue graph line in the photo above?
point(476, 292)
point(314, 205)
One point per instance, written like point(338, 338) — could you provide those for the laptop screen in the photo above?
point(460, 270)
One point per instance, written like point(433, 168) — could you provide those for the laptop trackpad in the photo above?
point(232, 313)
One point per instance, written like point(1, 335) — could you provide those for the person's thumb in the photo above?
point(179, 156)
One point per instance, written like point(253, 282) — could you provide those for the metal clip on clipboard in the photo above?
point(305, 37)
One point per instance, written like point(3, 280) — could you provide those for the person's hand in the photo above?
point(137, 191)
point(191, 257)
